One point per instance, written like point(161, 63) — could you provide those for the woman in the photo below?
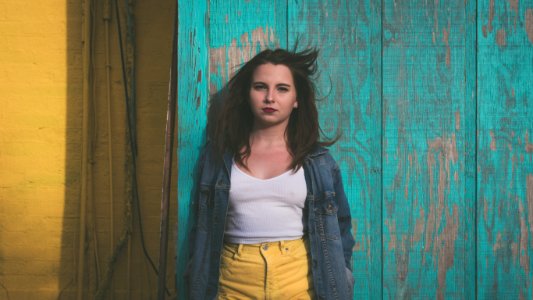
point(272, 219)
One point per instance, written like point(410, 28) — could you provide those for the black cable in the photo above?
point(135, 190)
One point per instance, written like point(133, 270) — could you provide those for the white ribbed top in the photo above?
point(265, 210)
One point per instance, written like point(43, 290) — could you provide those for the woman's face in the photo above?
point(272, 95)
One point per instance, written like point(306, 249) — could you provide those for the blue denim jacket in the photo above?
point(327, 225)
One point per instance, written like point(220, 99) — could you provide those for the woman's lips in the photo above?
point(269, 110)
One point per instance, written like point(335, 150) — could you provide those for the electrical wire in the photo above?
point(132, 145)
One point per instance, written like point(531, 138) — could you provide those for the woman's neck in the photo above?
point(270, 136)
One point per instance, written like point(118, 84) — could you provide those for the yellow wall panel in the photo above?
point(41, 111)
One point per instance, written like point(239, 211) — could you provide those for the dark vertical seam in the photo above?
point(287, 31)
point(382, 102)
point(476, 152)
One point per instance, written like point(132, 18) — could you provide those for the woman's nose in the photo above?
point(269, 97)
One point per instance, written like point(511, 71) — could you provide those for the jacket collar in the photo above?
point(317, 151)
point(228, 161)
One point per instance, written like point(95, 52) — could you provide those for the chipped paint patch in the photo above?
point(446, 253)
point(528, 145)
point(224, 61)
point(529, 24)
point(488, 28)
point(419, 226)
point(513, 4)
point(446, 40)
point(435, 20)
point(501, 38)
point(524, 234)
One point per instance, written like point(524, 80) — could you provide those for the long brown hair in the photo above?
point(231, 120)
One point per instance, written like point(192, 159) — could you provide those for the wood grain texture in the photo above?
point(239, 30)
point(348, 36)
point(425, 255)
point(193, 95)
point(505, 151)
point(433, 101)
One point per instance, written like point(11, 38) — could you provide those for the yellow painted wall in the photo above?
point(41, 82)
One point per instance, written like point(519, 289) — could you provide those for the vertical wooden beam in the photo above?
point(505, 150)
point(348, 35)
point(425, 230)
point(193, 94)
point(470, 144)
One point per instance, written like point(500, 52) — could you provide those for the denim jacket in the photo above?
point(327, 226)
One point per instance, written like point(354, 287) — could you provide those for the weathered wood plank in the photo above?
point(241, 29)
point(214, 38)
point(348, 36)
point(425, 255)
point(193, 90)
point(505, 151)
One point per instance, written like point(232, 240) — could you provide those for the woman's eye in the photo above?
point(283, 89)
point(259, 87)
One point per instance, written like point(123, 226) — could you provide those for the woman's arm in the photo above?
point(344, 217)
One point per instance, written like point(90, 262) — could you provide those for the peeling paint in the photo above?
point(446, 149)
point(444, 146)
point(445, 38)
point(529, 201)
point(402, 260)
point(457, 120)
point(528, 145)
point(529, 24)
point(492, 141)
point(501, 38)
point(392, 230)
point(446, 253)
point(488, 28)
point(513, 4)
point(419, 226)
point(435, 20)
point(357, 245)
point(524, 234)
point(224, 61)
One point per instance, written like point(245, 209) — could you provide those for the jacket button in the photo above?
point(265, 247)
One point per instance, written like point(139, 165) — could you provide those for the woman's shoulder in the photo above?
point(323, 154)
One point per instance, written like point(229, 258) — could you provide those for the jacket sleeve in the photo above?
point(199, 170)
point(344, 217)
point(193, 212)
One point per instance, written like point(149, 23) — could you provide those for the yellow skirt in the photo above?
point(274, 270)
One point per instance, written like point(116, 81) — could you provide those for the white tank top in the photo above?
point(265, 210)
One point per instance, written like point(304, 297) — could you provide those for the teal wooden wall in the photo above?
point(434, 100)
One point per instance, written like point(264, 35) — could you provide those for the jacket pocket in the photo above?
point(326, 214)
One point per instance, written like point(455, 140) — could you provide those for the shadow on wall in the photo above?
point(73, 155)
point(108, 218)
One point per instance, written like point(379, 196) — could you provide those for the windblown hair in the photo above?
point(232, 119)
